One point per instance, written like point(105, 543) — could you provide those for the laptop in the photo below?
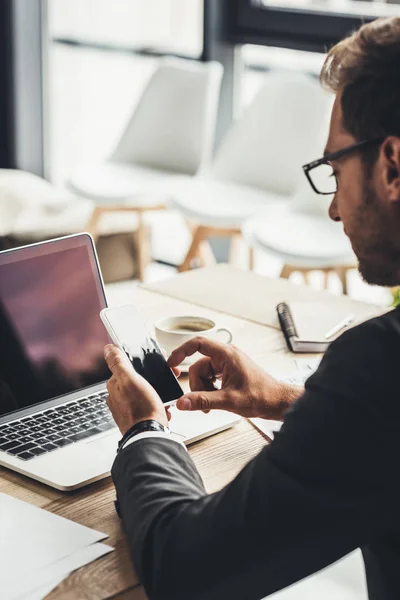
point(55, 425)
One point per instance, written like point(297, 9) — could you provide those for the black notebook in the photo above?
point(294, 339)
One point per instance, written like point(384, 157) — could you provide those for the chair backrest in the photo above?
point(173, 126)
point(267, 147)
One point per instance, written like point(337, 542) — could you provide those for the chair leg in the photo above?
point(342, 273)
point(306, 275)
point(326, 279)
point(206, 255)
point(93, 225)
point(140, 246)
point(194, 249)
point(251, 258)
point(286, 272)
point(234, 250)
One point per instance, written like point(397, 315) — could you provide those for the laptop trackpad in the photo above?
point(193, 424)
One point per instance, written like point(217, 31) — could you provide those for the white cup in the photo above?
point(175, 331)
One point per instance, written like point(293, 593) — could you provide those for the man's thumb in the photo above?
point(201, 401)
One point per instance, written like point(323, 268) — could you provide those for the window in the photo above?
point(378, 8)
point(172, 26)
point(101, 55)
point(311, 25)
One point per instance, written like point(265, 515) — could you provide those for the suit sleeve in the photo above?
point(314, 495)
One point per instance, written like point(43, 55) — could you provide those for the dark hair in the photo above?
point(365, 67)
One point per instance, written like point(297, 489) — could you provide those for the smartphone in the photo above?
point(130, 332)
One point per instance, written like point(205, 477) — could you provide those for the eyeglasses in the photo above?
point(320, 173)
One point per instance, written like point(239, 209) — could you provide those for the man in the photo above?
point(329, 482)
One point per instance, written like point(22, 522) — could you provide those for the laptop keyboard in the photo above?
point(57, 427)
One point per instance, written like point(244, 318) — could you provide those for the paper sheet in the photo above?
point(53, 575)
point(344, 580)
point(38, 549)
point(305, 368)
point(314, 319)
point(32, 538)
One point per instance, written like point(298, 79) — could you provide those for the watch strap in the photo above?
point(141, 427)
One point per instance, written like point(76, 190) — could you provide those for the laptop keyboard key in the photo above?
point(38, 451)
point(3, 440)
point(74, 430)
point(81, 436)
point(21, 449)
point(12, 436)
point(53, 436)
point(9, 446)
point(49, 447)
point(26, 456)
point(18, 427)
point(63, 442)
point(25, 439)
point(25, 431)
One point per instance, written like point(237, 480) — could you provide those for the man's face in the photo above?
point(369, 219)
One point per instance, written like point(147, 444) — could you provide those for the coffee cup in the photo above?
point(172, 332)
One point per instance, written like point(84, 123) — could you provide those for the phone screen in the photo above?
point(135, 339)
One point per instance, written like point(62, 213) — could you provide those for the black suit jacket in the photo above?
point(328, 484)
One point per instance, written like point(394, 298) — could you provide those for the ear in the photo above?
point(390, 161)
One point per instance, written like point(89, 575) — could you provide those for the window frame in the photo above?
point(287, 27)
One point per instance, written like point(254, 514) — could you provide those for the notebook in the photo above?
point(305, 325)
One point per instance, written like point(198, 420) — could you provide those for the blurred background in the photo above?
point(175, 132)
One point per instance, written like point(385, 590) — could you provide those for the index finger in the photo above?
point(116, 360)
point(214, 350)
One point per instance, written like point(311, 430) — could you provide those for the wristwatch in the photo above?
point(141, 427)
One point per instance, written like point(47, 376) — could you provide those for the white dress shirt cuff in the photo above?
point(151, 434)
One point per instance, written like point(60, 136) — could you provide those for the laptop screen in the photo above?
point(51, 334)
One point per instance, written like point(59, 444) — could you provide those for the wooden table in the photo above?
point(218, 458)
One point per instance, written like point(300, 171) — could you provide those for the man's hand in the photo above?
point(131, 398)
point(246, 389)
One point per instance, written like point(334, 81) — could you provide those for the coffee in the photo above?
point(188, 328)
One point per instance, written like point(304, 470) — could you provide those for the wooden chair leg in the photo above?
point(251, 258)
point(326, 279)
point(234, 250)
point(93, 225)
point(307, 276)
point(286, 272)
point(193, 252)
point(342, 273)
point(140, 246)
point(206, 255)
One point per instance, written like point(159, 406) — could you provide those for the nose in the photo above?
point(334, 210)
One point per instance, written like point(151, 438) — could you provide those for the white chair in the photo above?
point(170, 133)
point(303, 236)
point(258, 162)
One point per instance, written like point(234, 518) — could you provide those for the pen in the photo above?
point(345, 323)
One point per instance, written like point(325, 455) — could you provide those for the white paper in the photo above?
point(344, 580)
point(32, 539)
point(267, 426)
point(305, 368)
point(52, 575)
point(314, 319)
point(44, 590)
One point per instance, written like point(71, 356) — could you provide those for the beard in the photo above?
point(375, 244)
